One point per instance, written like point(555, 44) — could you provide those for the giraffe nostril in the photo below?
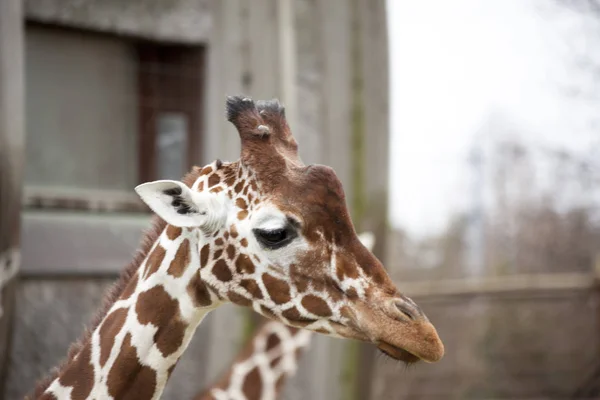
point(408, 310)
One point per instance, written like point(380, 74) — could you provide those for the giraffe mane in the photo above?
point(112, 294)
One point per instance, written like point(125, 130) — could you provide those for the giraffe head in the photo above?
point(276, 235)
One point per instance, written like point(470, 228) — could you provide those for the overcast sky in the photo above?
point(452, 65)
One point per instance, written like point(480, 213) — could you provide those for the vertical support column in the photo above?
point(12, 145)
point(374, 139)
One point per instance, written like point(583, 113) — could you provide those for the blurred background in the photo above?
point(466, 133)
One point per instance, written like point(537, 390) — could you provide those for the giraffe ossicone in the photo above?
point(266, 232)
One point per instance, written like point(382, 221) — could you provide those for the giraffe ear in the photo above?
point(367, 238)
point(180, 206)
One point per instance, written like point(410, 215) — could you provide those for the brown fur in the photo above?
point(155, 306)
point(198, 291)
point(316, 305)
point(81, 379)
point(221, 271)
point(279, 290)
point(109, 329)
point(181, 259)
point(139, 384)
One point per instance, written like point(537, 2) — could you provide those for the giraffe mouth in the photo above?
point(397, 353)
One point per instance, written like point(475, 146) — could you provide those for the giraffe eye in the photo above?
point(274, 239)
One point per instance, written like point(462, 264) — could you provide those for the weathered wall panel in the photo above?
point(184, 21)
point(12, 140)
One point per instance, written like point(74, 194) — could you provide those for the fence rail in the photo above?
point(505, 284)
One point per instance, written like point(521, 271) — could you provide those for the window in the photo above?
point(103, 113)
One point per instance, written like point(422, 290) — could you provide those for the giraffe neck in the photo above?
point(135, 347)
point(269, 358)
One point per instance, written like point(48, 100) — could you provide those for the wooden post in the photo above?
point(371, 144)
point(11, 165)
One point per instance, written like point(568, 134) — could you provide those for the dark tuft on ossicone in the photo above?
point(236, 105)
point(271, 106)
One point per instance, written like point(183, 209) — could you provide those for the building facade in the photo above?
point(120, 93)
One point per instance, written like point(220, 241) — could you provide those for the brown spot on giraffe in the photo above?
point(243, 264)
point(80, 376)
point(216, 189)
point(230, 180)
point(238, 188)
point(173, 232)
point(213, 180)
point(278, 290)
point(316, 305)
point(221, 271)
point(244, 242)
point(155, 260)
point(171, 338)
point(204, 253)
point(130, 288)
point(128, 379)
point(241, 203)
point(111, 326)
point(219, 242)
point(242, 215)
point(230, 252)
point(233, 231)
point(218, 254)
point(198, 291)
point(201, 186)
point(272, 341)
point(351, 293)
point(206, 170)
point(239, 299)
point(274, 362)
point(252, 287)
point(155, 306)
point(344, 268)
point(293, 315)
point(181, 260)
point(226, 235)
point(252, 386)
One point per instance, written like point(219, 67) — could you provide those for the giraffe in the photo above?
point(265, 232)
point(268, 359)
